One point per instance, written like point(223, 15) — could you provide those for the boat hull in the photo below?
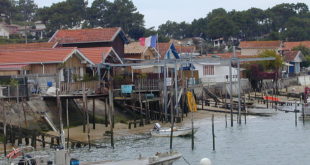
point(176, 133)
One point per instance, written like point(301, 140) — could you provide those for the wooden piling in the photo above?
point(141, 124)
point(111, 111)
point(72, 145)
point(52, 142)
point(303, 113)
point(43, 141)
point(24, 111)
point(202, 100)
point(245, 110)
point(225, 120)
point(58, 141)
point(27, 141)
point(172, 123)
point(213, 135)
point(105, 112)
point(295, 114)
point(68, 124)
point(94, 117)
point(33, 141)
point(20, 139)
point(86, 111)
point(4, 128)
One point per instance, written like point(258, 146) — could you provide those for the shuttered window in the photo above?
point(208, 70)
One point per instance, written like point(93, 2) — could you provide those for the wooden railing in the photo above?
point(78, 86)
point(147, 84)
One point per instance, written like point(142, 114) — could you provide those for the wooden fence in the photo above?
point(78, 86)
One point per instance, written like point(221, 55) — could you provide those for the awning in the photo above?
point(287, 64)
point(13, 67)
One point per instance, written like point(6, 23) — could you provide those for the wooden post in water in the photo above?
point(43, 140)
point(239, 91)
point(86, 111)
point(94, 117)
point(24, 111)
point(84, 114)
point(172, 122)
point(68, 124)
point(4, 127)
point(225, 120)
point(105, 112)
point(59, 107)
point(295, 114)
point(140, 100)
point(202, 100)
point(213, 135)
point(111, 107)
point(231, 94)
point(245, 110)
point(303, 113)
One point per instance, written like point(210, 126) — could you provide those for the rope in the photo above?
point(185, 160)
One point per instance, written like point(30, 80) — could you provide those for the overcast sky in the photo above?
point(157, 12)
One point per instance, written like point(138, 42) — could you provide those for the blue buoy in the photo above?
point(74, 162)
point(49, 83)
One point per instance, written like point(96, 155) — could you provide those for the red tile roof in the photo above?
point(260, 44)
point(27, 46)
point(134, 48)
point(85, 35)
point(289, 56)
point(185, 49)
point(34, 56)
point(163, 48)
point(230, 55)
point(291, 45)
point(96, 55)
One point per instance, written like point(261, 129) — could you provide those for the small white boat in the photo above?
point(261, 110)
point(166, 158)
point(166, 132)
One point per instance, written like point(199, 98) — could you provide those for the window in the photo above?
point(208, 70)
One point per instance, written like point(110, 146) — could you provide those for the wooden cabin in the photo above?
point(88, 38)
point(136, 53)
point(44, 61)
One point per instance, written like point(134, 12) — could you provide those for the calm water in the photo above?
point(263, 140)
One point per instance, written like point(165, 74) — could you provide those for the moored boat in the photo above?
point(177, 131)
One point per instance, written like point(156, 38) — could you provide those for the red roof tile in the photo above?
point(27, 46)
point(260, 44)
point(134, 48)
point(185, 49)
point(230, 55)
point(85, 35)
point(96, 55)
point(34, 56)
point(291, 45)
point(163, 48)
point(289, 56)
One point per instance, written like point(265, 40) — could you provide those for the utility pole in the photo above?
point(165, 92)
point(231, 94)
point(239, 93)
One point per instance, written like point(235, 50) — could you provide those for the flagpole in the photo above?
point(158, 55)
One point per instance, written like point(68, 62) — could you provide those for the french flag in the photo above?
point(149, 41)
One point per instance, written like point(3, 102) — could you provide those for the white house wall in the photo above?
point(220, 73)
point(4, 33)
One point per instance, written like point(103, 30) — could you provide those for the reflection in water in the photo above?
point(263, 140)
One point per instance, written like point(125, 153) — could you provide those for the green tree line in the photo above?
point(287, 21)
